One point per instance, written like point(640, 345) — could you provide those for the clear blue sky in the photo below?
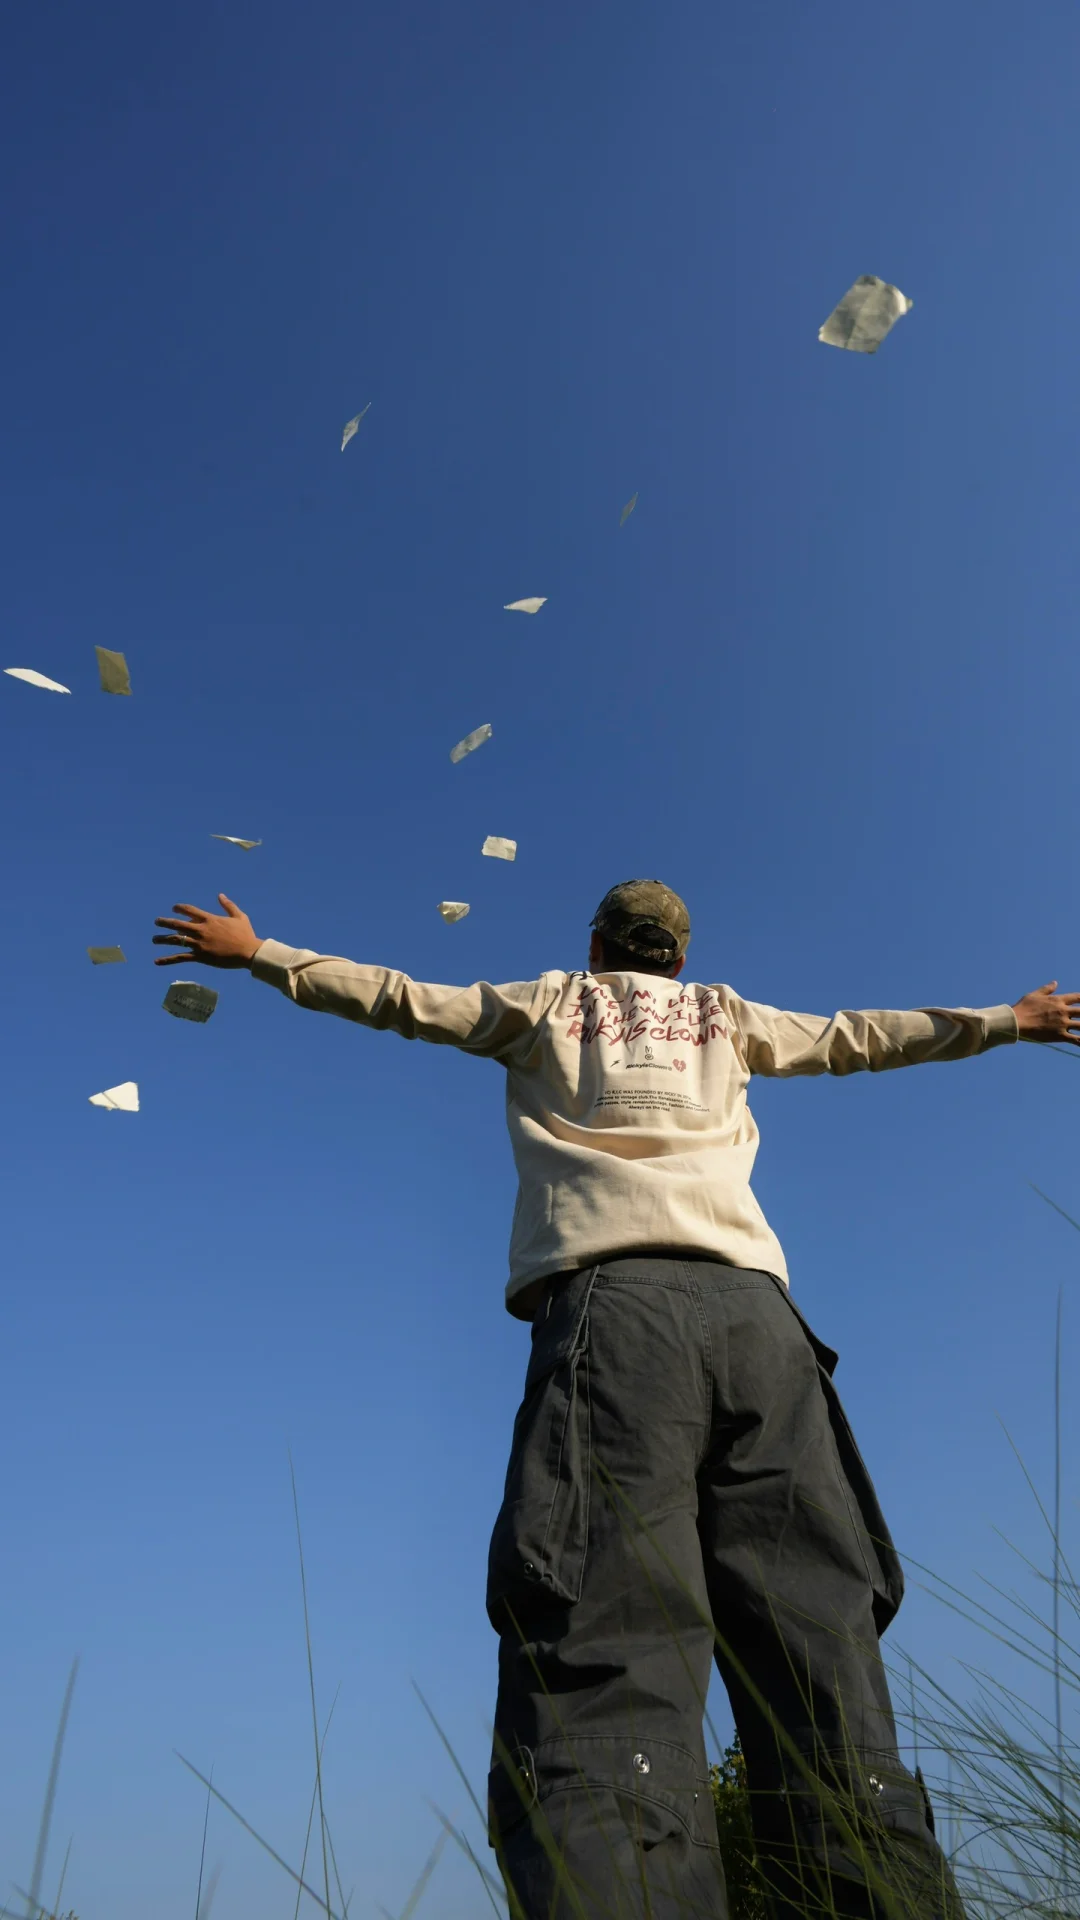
point(824, 682)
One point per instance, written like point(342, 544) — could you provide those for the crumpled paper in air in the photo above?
point(525, 606)
point(865, 314)
point(470, 743)
point(102, 955)
point(453, 910)
point(234, 842)
point(627, 511)
point(112, 671)
point(121, 1099)
point(36, 679)
point(190, 1000)
point(498, 848)
point(351, 426)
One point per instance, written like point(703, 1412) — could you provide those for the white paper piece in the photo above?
point(470, 743)
point(453, 910)
point(112, 671)
point(525, 606)
point(101, 956)
point(500, 849)
point(351, 426)
point(121, 1099)
point(865, 315)
point(627, 511)
point(36, 679)
point(234, 842)
point(190, 1000)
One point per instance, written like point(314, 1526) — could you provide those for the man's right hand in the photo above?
point(209, 939)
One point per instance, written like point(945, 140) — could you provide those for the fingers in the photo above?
point(189, 927)
point(172, 940)
point(188, 959)
point(234, 912)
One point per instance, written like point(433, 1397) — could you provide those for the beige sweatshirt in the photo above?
point(626, 1094)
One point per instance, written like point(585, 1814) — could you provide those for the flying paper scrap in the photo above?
point(452, 910)
point(627, 511)
point(102, 955)
point(36, 679)
point(470, 743)
point(500, 849)
point(351, 426)
point(234, 842)
point(121, 1099)
point(865, 314)
point(190, 1000)
point(112, 668)
point(525, 606)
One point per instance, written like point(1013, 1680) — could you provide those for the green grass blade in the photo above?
point(1054, 1204)
point(248, 1828)
point(337, 1876)
point(63, 1877)
point(202, 1856)
point(34, 1896)
point(314, 1793)
point(426, 1872)
point(1057, 1576)
point(311, 1682)
point(485, 1878)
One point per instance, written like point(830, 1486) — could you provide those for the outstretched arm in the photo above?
point(781, 1044)
point(495, 1021)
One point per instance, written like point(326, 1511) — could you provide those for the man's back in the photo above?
point(630, 1129)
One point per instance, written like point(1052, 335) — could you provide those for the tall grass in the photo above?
point(1008, 1778)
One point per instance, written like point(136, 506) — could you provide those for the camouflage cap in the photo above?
point(645, 917)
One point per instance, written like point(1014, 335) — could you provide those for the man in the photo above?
point(683, 1483)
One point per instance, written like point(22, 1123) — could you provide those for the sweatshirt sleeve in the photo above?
point(496, 1022)
point(783, 1044)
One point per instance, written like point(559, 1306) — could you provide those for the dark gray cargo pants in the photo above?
point(683, 1485)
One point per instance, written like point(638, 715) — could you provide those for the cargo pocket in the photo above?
point(888, 1808)
point(511, 1793)
point(885, 1570)
point(540, 1537)
point(656, 1790)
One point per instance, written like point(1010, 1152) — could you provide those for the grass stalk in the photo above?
point(202, 1856)
point(314, 1796)
point(257, 1836)
point(311, 1682)
point(63, 1876)
point(34, 1896)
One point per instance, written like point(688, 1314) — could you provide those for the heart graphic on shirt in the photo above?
point(679, 1066)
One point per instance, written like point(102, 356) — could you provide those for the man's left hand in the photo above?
point(1048, 1015)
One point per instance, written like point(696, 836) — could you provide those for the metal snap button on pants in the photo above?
point(681, 1463)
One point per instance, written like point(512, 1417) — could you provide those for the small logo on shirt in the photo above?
point(648, 1053)
point(679, 1066)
